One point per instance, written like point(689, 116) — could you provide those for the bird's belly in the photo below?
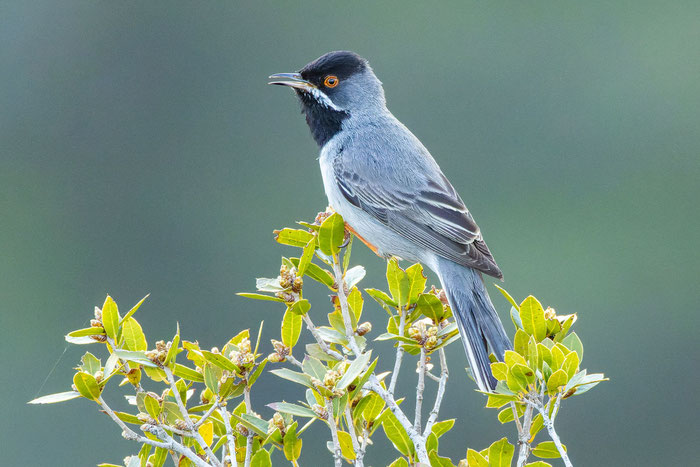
point(386, 241)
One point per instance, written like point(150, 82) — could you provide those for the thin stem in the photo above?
point(353, 436)
point(207, 414)
point(249, 438)
point(230, 439)
point(323, 344)
point(293, 361)
point(549, 424)
point(186, 417)
point(399, 354)
point(337, 453)
point(523, 432)
point(344, 308)
point(419, 390)
point(442, 385)
point(169, 443)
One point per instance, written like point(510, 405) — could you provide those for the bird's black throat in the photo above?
point(324, 122)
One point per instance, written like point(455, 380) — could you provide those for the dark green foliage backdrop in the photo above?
point(141, 151)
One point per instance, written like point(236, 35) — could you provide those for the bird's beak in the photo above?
point(293, 80)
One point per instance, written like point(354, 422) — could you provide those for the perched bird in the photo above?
point(393, 195)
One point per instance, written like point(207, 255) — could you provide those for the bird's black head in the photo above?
point(331, 89)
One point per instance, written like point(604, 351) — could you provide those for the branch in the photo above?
point(353, 436)
point(344, 308)
point(444, 375)
point(186, 417)
point(549, 424)
point(523, 432)
point(337, 453)
point(419, 390)
point(230, 439)
point(170, 444)
point(249, 438)
point(399, 355)
point(323, 344)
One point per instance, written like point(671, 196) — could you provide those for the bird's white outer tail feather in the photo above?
point(477, 320)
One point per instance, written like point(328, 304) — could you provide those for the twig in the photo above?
point(353, 436)
point(293, 361)
point(337, 453)
point(523, 432)
point(419, 390)
point(249, 438)
point(186, 417)
point(230, 439)
point(323, 344)
point(399, 355)
point(549, 424)
point(207, 414)
point(444, 376)
point(344, 308)
point(169, 443)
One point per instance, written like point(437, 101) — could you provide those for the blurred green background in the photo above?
point(142, 151)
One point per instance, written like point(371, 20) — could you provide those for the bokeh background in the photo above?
point(142, 151)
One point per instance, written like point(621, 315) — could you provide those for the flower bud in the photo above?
point(241, 429)
point(364, 328)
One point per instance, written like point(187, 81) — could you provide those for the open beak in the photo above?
point(293, 80)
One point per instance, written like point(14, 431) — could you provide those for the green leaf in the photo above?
point(373, 407)
point(538, 464)
point(220, 361)
point(259, 296)
point(354, 275)
point(181, 371)
point(211, 379)
point(572, 342)
point(318, 274)
point(133, 310)
point(570, 365)
point(266, 284)
point(508, 297)
point(110, 317)
point(499, 370)
point(439, 461)
point(346, 445)
point(356, 303)
point(400, 462)
point(55, 398)
point(558, 378)
point(547, 450)
point(520, 342)
point(292, 443)
point(431, 307)
point(506, 415)
point(256, 374)
point(159, 457)
point(306, 257)
point(416, 281)
point(92, 331)
point(292, 409)
point(398, 282)
point(501, 453)
point(135, 356)
point(536, 425)
point(532, 316)
point(132, 335)
point(90, 364)
point(300, 307)
point(363, 379)
point(397, 434)
point(173, 350)
point(474, 459)
point(299, 378)
point(128, 418)
point(252, 422)
point(313, 367)
point(293, 237)
point(261, 459)
point(354, 370)
point(440, 428)
point(86, 385)
point(152, 406)
point(382, 298)
point(331, 234)
point(291, 328)
point(496, 401)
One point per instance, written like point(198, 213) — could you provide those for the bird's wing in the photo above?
point(420, 205)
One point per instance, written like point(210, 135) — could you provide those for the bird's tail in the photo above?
point(478, 322)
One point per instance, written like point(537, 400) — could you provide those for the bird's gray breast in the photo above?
point(387, 242)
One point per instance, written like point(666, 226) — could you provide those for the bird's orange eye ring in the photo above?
point(331, 81)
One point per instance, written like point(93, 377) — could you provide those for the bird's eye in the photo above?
point(331, 81)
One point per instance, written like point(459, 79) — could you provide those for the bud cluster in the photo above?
point(424, 332)
point(159, 354)
point(243, 358)
point(276, 422)
point(291, 283)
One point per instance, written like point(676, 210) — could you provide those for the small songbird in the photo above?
point(395, 198)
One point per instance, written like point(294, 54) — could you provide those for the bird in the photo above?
point(395, 198)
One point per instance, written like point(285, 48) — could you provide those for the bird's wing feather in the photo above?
point(422, 206)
